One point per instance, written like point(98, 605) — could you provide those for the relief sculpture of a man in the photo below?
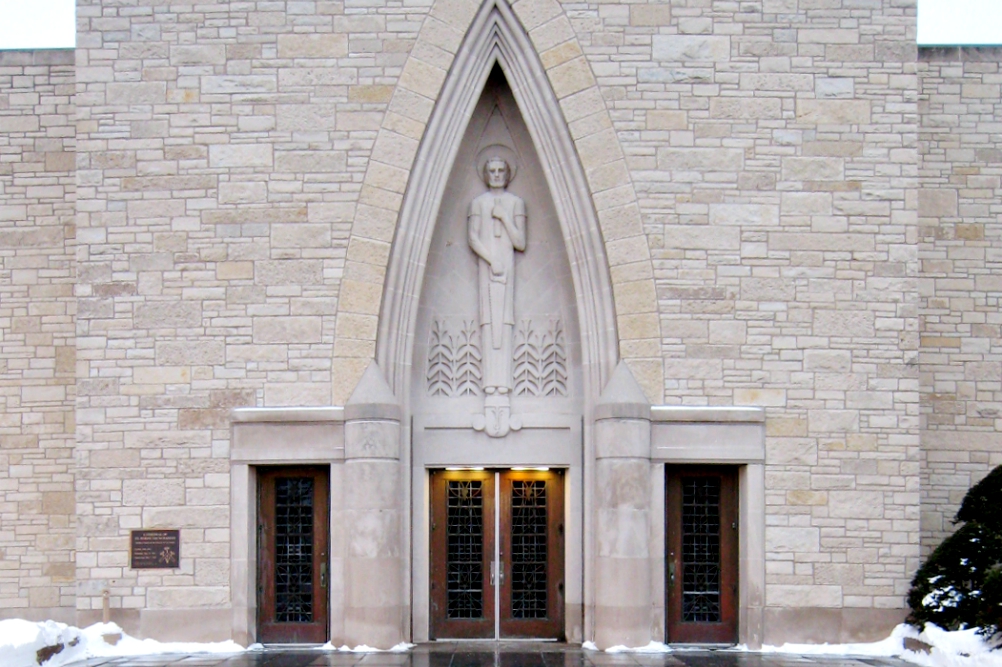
point(496, 231)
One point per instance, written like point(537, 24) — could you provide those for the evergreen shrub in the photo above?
point(960, 585)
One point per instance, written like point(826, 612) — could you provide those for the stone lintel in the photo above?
point(290, 414)
point(710, 414)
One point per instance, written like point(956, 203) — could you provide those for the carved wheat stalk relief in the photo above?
point(455, 361)
point(540, 360)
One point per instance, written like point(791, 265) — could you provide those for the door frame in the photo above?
point(546, 440)
point(682, 435)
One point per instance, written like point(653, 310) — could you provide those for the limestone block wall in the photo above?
point(961, 254)
point(774, 154)
point(37, 346)
point(221, 155)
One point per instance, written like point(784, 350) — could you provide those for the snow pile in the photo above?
point(402, 647)
point(653, 647)
point(27, 644)
point(961, 648)
point(52, 644)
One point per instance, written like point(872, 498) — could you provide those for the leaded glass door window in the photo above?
point(497, 554)
point(702, 556)
point(293, 519)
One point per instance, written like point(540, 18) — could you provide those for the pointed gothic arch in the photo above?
point(585, 169)
point(496, 37)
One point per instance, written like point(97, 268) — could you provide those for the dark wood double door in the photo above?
point(701, 527)
point(497, 554)
point(293, 525)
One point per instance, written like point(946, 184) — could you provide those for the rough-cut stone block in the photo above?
point(155, 315)
point(780, 539)
point(700, 159)
point(312, 46)
point(194, 353)
point(287, 329)
point(833, 112)
point(743, 215)
point(937, 203)
point(845, 323)
point(691, 48)
point(856, 504)
point(198, 54)
point(240, 155)
point(151, 92)
point(740, 108)
point(813, 169)
point(650, 15)
point(306, 117)
point(238, 84)
point(153, 492)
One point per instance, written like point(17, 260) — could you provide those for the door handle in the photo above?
point(494, 571)
point(323, 575)
point(501, 572)
point(671, 573)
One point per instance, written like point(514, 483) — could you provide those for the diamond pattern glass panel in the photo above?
point(701, 549)
point(465, 559)
point(528, 549)
point(294, 550)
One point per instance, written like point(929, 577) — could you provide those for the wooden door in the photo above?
point(293, 520)
point(702, 554)
point(462, 554)
point(531, 554)
point(497, 554)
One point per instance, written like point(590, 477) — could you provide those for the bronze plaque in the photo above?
point(156, 549)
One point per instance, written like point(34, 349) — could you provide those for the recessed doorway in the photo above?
point(497, 554)
point(701, 529)
point(293, 547)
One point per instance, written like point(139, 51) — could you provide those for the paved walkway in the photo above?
point(490, 655)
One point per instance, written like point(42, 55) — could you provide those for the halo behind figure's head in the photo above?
point(496, 152)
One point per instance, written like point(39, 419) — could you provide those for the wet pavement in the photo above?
point(447, 654)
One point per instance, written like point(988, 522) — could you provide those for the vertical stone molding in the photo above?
point(375, 611)
point(622, 597)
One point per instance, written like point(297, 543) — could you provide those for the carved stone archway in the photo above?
point(595, 203)
point(585, 167)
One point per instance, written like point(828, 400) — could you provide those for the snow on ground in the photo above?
point(21, 641)
point(962, 648)
point(402, 647)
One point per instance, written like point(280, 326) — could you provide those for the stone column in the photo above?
point(623, 594)
point(373, 517)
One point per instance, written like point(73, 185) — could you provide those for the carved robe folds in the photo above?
point(497, 230)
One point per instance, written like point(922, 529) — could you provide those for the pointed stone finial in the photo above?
point(372, 398)
point(622, 397)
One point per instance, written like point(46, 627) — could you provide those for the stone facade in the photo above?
point(37, 335)
point(961, 276)
point(789, 207)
